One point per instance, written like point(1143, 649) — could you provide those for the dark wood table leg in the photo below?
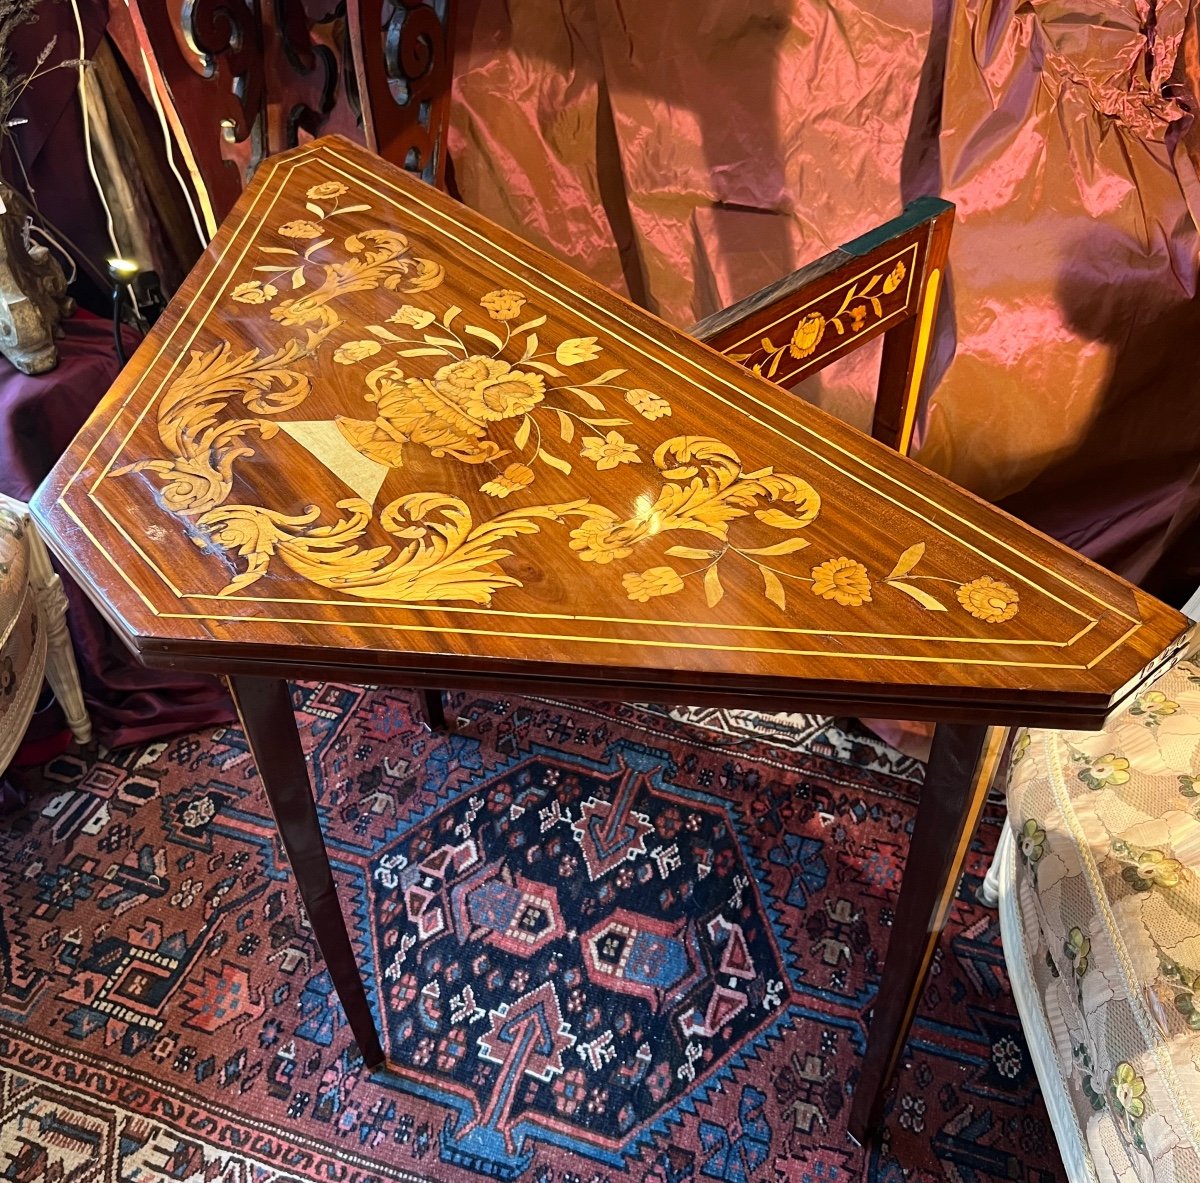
point(265, 708)
point(431, 710)
point(962, 765)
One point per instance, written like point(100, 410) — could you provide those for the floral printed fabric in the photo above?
point(1107, 826)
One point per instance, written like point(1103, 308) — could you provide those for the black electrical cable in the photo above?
point(121, 273)
point(118, 344)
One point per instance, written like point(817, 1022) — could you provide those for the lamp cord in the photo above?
point(87, 131)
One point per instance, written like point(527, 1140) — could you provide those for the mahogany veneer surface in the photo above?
point(376, 434)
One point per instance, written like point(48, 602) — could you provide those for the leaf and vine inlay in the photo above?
point(375, 256)
point(484, 390)
point(858, 307)
point(493, 374)
point(203, 447)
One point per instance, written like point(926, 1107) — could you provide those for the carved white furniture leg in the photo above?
point(60, 670)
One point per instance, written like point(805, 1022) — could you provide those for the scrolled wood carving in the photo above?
point(238, 80)
point(242, 79)
point(301, 74)
point(228, 31)
point(403, 54)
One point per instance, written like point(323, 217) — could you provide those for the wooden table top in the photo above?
point(375, 433)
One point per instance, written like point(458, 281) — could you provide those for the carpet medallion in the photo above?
point(603, 941)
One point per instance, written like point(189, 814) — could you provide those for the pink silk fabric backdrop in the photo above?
point(687, 152)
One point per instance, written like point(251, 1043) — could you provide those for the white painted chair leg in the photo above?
point(61, 671)
point(989, 890)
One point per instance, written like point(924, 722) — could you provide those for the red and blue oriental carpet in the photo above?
point(604, 942)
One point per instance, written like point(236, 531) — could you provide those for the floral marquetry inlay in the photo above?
point(508, 393)
point(861, 303)
point(373, 423)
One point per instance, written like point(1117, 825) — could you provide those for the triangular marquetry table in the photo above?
point(376, 438)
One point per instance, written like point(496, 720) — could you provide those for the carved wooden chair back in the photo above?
point(239, 81)
point(886, 282)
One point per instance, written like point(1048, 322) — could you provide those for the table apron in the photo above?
point(956, 707)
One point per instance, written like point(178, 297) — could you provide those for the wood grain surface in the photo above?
point(376, 436)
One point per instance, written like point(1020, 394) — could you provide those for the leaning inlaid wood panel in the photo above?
point(885, 282)
point(800, 324)
point(375, 431)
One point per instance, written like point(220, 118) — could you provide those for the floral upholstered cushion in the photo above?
point(22, 641)
point(1108, 836)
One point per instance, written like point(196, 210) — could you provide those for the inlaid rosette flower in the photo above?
point(842, 580)
point(597, 543)
point(807, 335)
point(352, 351)
point(609, 451)
point(514, 477)
point(657, 581)
point(254, 292)
point(487, 388)
point(648, 404)
point(988, 599)
point(503, 304)
point(325, 190)
point(301, 228)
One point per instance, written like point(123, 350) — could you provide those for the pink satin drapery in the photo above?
point(687, 152)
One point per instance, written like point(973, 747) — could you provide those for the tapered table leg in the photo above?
point(962, 765)
point(265, 708)
point(431, 709)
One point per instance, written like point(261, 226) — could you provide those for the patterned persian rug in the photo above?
point(607, 942)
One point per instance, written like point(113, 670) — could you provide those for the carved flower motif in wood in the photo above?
point(488, 388)
point(895, 278)
point(254, 292)
point(325, 190)
point(610, 450)
point(598, 541)
point(300, 228)
point(648, 404)
point(354, 351)
point(514, 477)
